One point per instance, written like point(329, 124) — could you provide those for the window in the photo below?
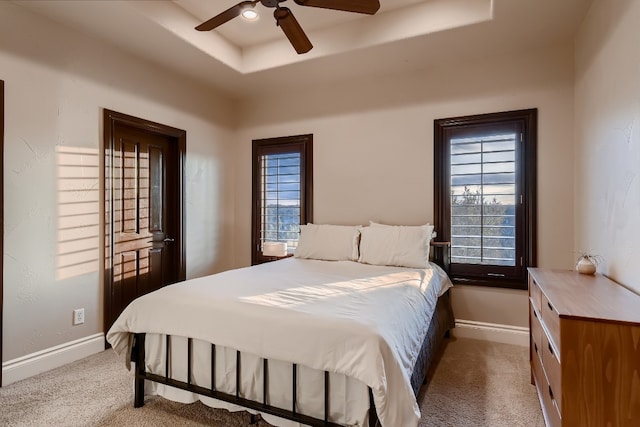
point(485, 195)
point(282, 195)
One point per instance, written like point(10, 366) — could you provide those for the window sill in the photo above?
point(263, 259)
point(493, 282)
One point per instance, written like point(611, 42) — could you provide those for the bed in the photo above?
point(303, 340)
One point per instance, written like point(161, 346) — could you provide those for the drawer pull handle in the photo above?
point(551, 393)
point(550, 306)
point(535, 314)
point(550, 349)
point(535, 346)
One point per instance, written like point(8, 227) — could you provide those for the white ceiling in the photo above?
point(243, 58)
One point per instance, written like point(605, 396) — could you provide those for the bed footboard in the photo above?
point(441, 324)
point(138, 356)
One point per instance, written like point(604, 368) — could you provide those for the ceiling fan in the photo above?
point(285, 19)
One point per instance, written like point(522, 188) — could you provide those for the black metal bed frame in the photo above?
point(138, 356)
point(441, 257)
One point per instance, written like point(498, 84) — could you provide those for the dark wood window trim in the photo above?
point(526, 210)
point(299, 143)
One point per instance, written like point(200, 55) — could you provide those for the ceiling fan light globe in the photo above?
point(249, 14)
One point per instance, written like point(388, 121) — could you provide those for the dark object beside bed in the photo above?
point(441, 323)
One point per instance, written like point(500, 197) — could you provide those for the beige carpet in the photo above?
point(475, 383)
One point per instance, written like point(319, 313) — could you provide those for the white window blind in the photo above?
point(483, 199)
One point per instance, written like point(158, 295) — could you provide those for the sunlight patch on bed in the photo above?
point(353, 289)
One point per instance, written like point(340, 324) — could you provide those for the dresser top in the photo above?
point(584, 296)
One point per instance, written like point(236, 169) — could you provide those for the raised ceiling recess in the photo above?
point(285, 19)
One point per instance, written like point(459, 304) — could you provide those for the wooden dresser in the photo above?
point(585, 349)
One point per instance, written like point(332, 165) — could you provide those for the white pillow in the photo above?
point(433, 233)
point(397, 245)
point(328, 242)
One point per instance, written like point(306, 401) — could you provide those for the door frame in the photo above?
point(112, 119)
point(1, 215)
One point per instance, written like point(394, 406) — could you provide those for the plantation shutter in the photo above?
point(280, 201)
point(483, 199)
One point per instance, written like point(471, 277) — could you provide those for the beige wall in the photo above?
point(373, 152)
point(56, 84)
point(607, 128)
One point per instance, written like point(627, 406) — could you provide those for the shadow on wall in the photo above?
point(78, 211)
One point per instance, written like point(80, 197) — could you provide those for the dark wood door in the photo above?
point(144, 215)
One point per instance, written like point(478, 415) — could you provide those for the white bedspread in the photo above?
point(359, 320)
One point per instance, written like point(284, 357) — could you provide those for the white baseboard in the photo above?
point(506, 334)
point(45, 360)
point(50, 358)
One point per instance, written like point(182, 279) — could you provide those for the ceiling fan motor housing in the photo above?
point(271, 3)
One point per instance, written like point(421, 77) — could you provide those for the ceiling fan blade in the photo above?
point(292, 30)
point(225, 16)
point(369, 7)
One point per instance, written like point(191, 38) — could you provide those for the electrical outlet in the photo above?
point(78, 316)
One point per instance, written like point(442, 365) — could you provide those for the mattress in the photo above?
point(364, 324)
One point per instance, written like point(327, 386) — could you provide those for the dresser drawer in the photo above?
point(535, 353)
point(552, 369)
point(535, 294)
point(536, 363)
point(551, 410)
point(536, 328)
point(551, 321)
point(546, 395)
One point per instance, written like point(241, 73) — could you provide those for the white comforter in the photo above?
point(364, 321)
